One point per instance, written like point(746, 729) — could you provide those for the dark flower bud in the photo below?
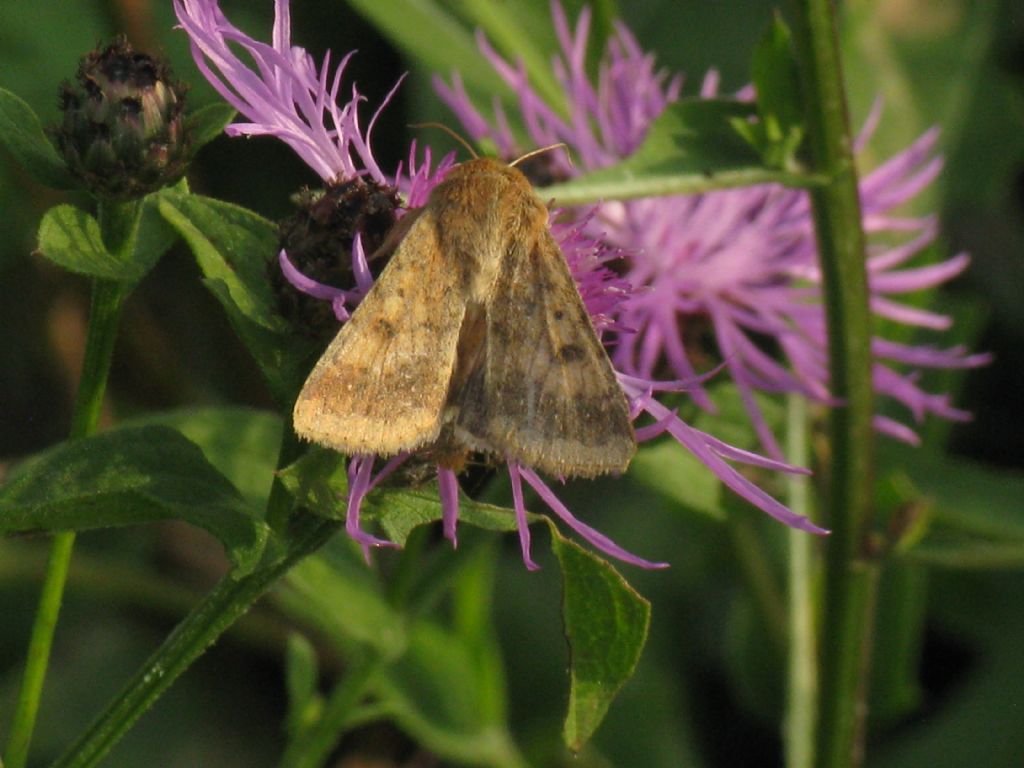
point(318, 239)
point(124, 131)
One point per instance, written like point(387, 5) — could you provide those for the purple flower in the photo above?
point(289, 97)
point(741, 263)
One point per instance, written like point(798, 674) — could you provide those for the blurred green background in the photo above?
point(704, 695)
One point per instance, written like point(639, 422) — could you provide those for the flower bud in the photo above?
point(318, 239)
point(124, 131)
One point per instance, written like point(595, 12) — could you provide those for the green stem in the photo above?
point(117, 225)
point(584, 191)
point(216, 613)
point(312, 747)
point(134, 588)
point(837, 217)
point(802, 690)
point(761, 580)
point(39, 645)
point(280, 503)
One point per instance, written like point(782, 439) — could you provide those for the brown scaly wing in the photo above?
point(381, 385)
point(543, 391)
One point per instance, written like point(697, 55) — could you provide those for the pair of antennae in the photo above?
point(472, 152)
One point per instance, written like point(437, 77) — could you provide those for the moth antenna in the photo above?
point(451, 133)
point(548, 148)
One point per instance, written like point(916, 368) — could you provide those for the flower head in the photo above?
point(123, 132)
point(288, 96)
point(738, 265)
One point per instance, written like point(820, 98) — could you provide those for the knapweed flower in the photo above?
point(740, 265)
point(123, 133)
point(288, 96)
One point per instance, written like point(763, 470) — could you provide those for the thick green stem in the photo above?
point(802, 687)
point(197, 631)
point(117, 223)
point(837, 217)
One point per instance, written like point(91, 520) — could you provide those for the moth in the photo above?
point(473, 338)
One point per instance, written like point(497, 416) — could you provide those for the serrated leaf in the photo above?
point(233, 247)
point(691, 147)
point(606, 625)
point(209, 122)
point(22, 133)
point(70, 238)
point(127, 477)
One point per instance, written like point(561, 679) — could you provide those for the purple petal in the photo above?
point(448, 488)
point(593, 537)
point(521, 522)
point(359, 470)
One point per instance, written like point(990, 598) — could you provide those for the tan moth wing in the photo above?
point(542, 389)
point(380, 387)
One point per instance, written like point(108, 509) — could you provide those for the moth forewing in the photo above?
point(544, 392)
point(381, 385)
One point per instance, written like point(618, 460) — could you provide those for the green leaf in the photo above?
point(896, 690)
point(604, 14)
point(432, 685)
point(319, 482)
point(402, 509)
point(154, 236)
point(301, 672)
point(518, 32)
point(241, 443)
point(976, 622)
point(234, 247)
point(126, 477)
point(70, 238)
point(780, 129)
point(606, 625)
point(975, 516)
point(22, 134)
point(430, 33)
point(670, 470)
point(691, 147)
point(335, 592)
point(435, 694)
point(209, 122)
